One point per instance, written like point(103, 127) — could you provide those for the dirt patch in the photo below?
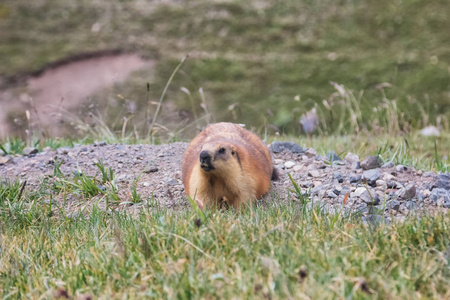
point(66, 85)
point(157, 170)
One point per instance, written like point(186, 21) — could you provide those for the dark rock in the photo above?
point(152, 169)
point(77, 173)
point(389, 164)
point(392, 184)
point(437, 194)
point(84, 149)
point(332, 156)
point(442, 182)
point(278, 147)
point(338, 176)
point(355, 178)
point(27, 151)
point(371, 162)
point(372, 176)
point(429, 174)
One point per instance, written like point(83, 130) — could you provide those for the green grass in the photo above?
point(280, 250)
point(269, 61)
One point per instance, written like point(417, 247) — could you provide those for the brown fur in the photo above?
point(241, 171)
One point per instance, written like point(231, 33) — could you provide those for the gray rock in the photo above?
point(442, 182)
point(289, 164)
point(151, 169)
point(338, 176)
point(332, 156)
point(355, 178)
point(314, 173)
point(394, 205)
point(331, 195)
point(411, 205)
point(371, 162)
point(2, 152)
point(278, 147)
point(99, 143)
point(372, 176)
point(437, 194)
point(310, 153)
point(170, 181)
point(351, 158)
point(400, 168)
point(407, 192)
point(428, 174)
point(5, 159)
point(316, 190)
point(389, 164)
point(27, 151)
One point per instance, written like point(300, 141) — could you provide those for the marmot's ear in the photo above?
point(233, 150)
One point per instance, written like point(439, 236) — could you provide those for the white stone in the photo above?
point(289, 164)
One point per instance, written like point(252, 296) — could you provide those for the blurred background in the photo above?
point(69, 68)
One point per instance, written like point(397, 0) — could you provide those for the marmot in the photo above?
point(226, 163)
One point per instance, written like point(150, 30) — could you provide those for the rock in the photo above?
point(5, 159)
point(332, 156)
point(171, 181)
point(62, 151)
point(394, 205)
point(411, 205)
point(351, 158)
point(381, 183)
point(407, 192)
point(337, 189)
point(442, 182)
point(99, 143)
point(278, 147)
point(371, 176)
point(27, 151)
point(278, 161)
point(2, 152)
point(355, 178)
point(359, 191)
point(316, 190)
point(289, 164)
point(392, 184)
point(430, 131)
point(437, 194)
point(314, 173)
point(338, 176)
point(400, 168)
point(297, 168)
point(429, 174)
point(371, 162)
point(310, 153)
point(389, 164)
point(151, 169)
point(331, 194)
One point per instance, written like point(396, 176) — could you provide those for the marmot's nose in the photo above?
point(204, 155)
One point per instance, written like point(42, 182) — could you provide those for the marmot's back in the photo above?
point(225, 162)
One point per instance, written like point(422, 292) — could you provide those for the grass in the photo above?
point(276, 251)
point(265, 62)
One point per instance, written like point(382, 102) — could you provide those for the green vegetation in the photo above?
point(259, 61)
point(279, 250)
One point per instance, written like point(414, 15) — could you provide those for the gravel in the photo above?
point(156, 169)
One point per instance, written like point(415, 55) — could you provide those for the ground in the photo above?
point(153, 173)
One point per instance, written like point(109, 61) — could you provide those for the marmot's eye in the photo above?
point(222, 150)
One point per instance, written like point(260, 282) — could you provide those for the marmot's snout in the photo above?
point(205, 161)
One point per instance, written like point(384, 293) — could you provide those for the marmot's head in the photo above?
point(218, 157)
